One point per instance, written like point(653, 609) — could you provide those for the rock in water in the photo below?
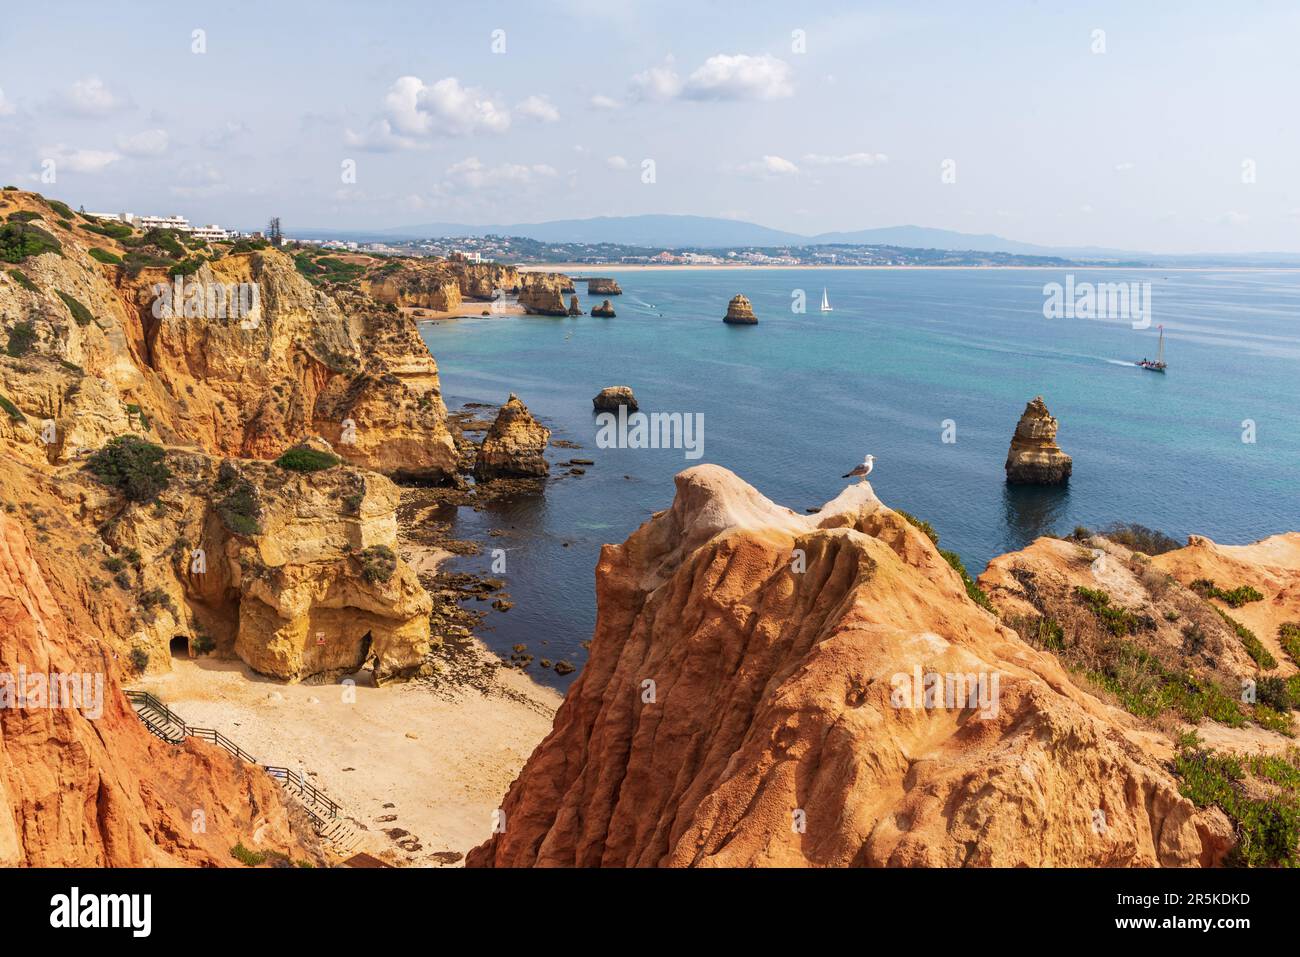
point(740, 312)
point(513, 446)
point(603, 287)
point(738, 712)
point(604, 310)
point(1034, 457)
point(573, 306)
point(612, 397)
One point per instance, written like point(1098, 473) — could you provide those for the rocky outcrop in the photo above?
point(756, 694)
point(1034, 457)
point(603, 287)
point(740, 312)
point(431, 289)
point(603, 311)
point(542, 294)
point(611, 397)
point(574, 309)
point(89, 786)
point(514, 446)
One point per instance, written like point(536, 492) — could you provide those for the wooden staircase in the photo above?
point(326, 815)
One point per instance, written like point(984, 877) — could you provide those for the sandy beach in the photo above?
point(409, 763)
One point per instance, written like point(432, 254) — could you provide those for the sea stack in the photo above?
point(514, 445)
point(612, 397)
point(604, 310)
point(573, 306)
point(740, 312)
point(603, 287)
point(1034, 457)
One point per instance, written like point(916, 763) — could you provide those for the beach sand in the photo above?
point(438, 761)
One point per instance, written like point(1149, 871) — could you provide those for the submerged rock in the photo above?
point(611, 397)
point(1034, 457)
point(604, 310)
point(513, 446)
point(740, 312)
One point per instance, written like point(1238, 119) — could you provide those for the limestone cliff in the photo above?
point(740, 312)
point(542, 294)
point(761, 691)
point(514, 445)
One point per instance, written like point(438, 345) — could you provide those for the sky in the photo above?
point(1158, 127)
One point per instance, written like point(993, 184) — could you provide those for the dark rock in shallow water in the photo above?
point(1034, 457)
point(612, 397)
point(603, 311)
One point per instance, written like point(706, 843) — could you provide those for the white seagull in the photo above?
point(863, 470)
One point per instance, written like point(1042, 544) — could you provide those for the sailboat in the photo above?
point(826, 303)
point(1159, 364)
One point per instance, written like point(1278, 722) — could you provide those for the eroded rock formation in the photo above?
point(611, 397)
point(597, 286)
point(603, 311)
point(1034, 457)
point(740, 312)
point(755, 695)
point(542, 294)
point(514, 446)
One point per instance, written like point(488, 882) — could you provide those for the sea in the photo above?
point(926, 369)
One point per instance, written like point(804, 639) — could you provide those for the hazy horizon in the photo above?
point(1109, 127)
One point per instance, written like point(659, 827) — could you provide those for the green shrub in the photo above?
point(79, 312)
point(113, 565)
point(21, 337)
point(23, 216)
point(133, 465)
point(157, 598)
point(1276, 693)
point(973, 591)
point(1234, 598)
point(186, 267)
point(378, 564)
point(18, 241)
point(1270, 719)
point(139, 659)
point(202, 644)
point(110, 229)
point(11, 410)
point(240, 510)
point(1139, 538)
point(1253, 646)
point(104, 256)
point(924, 526)
point(23, 281)
point(1288, 635)
point(247, 857)
point(301, 458)
point(1118, 621)
point(63, 209)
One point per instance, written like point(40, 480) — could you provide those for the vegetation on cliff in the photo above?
point(134, 466)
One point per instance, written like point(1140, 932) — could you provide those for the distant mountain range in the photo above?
point(709, 232)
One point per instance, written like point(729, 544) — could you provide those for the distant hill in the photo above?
point(707, 232)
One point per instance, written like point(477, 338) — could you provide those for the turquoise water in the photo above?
point(793, 403)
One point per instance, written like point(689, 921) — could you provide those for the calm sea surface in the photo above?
point(794, 402)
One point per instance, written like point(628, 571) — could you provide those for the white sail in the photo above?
point(1160, 354)
point(826, 303)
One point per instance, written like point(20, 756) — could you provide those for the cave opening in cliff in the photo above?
point(180, 646)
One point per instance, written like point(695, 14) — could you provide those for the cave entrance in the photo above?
point(365, 657)
point(180, 647)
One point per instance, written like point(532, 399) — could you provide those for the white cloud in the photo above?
point(602, 102)
point(770, 166)
point(740, 77)
point(79, 161)
point(6, 107)
point(616, 162)
point(220, 138)
point(538, 108)
point(472, 173)
point(144, 143)
point(1120, 167)
point(846, 159)
point(657, 83)
point(90, 97)
point(414, 111)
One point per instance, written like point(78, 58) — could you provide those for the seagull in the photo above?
point(863, 470)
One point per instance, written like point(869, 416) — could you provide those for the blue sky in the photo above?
point(1139, 147)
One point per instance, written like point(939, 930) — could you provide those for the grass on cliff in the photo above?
point(973, 591)
point(239, 508)
point(1254, 647)
point(1233, 598)
point(1260, 794)
point(104, 256)
point(320, 269)
point(21, 338)
point(301, 458)
point(18, 241)
point(132, 465)
point(378, 564)
point(80, 314)
point(10, 409)
point(1288, 635)
point(23, 280)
